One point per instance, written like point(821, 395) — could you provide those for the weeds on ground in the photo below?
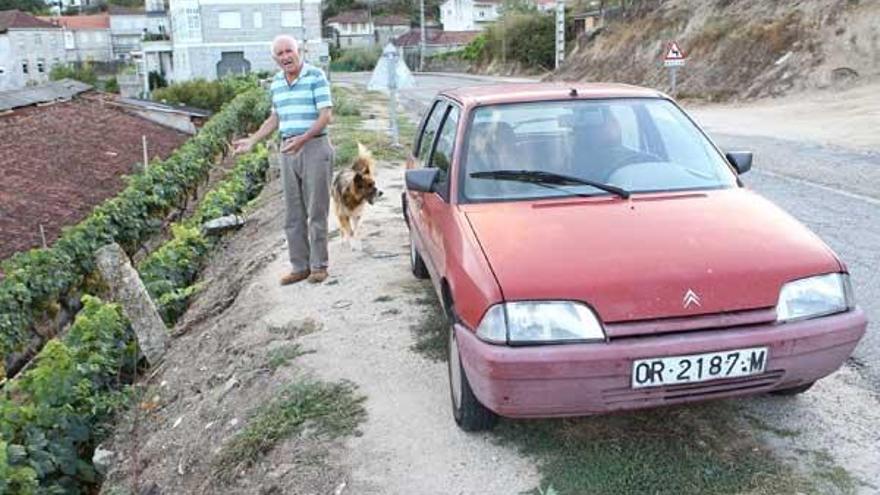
point(294, 329)
point(280, 356)
point(332, 409)
point(682, 450)
point(430, 333)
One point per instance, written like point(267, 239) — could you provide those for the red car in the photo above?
point(594, 251)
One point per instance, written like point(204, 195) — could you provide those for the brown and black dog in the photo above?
point(352, 189)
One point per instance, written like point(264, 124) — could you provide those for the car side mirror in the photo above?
point(421, 179)
point(741, 161)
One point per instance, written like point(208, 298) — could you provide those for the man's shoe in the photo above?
point(318, 276)
point(294, 277)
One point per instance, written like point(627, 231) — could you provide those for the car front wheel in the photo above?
point(466, 408)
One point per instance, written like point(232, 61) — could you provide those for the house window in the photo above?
point(41, 65)
point(291, 18)
point(38, 40)
point(24, 67)
point(258, 20)
point(193, 21)
point(230, 20)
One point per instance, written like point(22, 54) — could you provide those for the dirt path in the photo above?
point(410, 444)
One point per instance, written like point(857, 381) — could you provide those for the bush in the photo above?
point(55, 413)
point(168, 271)
point(85, 73)
point(208, 95)
point(356, 59)
point(111, 85)
point(36, 280)
point(527, 39)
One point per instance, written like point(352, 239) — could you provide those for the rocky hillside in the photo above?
point(736, 48)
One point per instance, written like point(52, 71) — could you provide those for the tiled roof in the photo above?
point(391, 20)
point(19, 19)
point(436, 37)
point(99, 21)
point(59, 161)
point(350, 17)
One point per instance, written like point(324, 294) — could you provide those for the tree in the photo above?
point(32, 6)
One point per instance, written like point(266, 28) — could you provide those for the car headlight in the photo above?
point(540, 322)
point(814, 296)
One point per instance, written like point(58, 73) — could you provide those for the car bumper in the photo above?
point(585, 379)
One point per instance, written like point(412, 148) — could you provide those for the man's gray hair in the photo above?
point(284, 37)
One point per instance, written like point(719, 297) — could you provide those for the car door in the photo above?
point(421, 152)
point(436, 207)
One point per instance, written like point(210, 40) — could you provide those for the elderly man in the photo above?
point(301, 110)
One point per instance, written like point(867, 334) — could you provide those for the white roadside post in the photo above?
point(560, 32)
point(390, 75)
point(393, 57)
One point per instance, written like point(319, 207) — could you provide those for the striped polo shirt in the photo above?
point(297, 104)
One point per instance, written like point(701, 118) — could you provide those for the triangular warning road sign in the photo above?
point(673, 52)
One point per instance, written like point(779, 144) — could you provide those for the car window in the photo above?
point(430, 129)
point(442, 156)
point(638, 144)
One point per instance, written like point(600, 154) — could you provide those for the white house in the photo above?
point(86, 37)
point(469, 15)
point(213, 38)
point(389, 27)
point(130, 27)
point(352, 28)
point(29, 48)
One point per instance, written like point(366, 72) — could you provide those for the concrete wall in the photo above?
point(9, 79)
point(271, 26)
point(34, 46)
point(91, 44)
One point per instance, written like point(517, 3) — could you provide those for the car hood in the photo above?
point(637, 259)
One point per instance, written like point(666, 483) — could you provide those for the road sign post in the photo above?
point(673, 58)
point(393, 57)
point(390, 75)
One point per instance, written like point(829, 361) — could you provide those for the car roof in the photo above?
point(545, 91)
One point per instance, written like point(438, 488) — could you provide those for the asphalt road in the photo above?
point(834, 191)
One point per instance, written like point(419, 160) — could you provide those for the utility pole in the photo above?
point(422, 43)
point(560, 32)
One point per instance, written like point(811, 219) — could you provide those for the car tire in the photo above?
point(416, 262)
point(469, 413)
point(793, 390)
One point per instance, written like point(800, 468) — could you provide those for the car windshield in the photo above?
point(636, 145)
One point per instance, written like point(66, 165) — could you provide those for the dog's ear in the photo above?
point(363, 151)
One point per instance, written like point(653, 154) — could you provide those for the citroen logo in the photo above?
point(690, 299)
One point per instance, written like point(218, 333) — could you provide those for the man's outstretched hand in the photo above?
point(242, 145)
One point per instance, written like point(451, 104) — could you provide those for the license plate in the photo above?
point(698, 367)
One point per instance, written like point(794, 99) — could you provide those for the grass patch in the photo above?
point(831, 477)
point(280, 356)
point(762, 425)
point(430, 333)
point(347, 131)
point(683, 450)
point(331, 409)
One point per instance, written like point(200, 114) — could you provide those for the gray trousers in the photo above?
point(306, 179)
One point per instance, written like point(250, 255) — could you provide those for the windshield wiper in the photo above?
point(542, 177)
